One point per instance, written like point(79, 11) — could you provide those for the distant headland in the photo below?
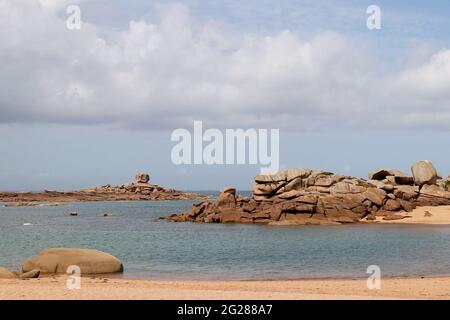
point(314, 197)
point(141, 189)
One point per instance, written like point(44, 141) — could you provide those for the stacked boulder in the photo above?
point(140, 186)
point(307, 196)
point(424, 173)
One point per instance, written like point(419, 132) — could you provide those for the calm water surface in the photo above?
point(157, 249)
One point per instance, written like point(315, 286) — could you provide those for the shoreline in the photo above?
point(286, 279)
point(122, 277)
point(101, 287)
point(421, 215)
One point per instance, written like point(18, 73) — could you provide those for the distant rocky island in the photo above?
point(141, 189)
point(314, 197)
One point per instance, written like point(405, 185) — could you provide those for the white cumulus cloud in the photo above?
point(168, 72)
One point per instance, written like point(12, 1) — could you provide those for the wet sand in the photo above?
point(124, 289)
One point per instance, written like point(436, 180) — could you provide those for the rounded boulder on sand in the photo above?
point(57, 260)
point(6, 274)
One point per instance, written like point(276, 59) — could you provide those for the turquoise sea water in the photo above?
point(157, 249)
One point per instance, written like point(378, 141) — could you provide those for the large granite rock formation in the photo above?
point(307, 196)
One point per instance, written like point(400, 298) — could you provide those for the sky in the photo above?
point(87, 107)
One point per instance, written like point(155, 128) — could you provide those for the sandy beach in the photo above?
point(124, 289)
point(424, 215)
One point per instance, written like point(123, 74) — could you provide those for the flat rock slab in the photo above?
point(30, 274)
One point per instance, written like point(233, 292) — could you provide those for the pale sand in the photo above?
point(123, 289)
point(440, 215)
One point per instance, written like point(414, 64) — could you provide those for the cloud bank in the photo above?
point(166, 73)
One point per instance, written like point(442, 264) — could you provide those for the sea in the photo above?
point(155, 249)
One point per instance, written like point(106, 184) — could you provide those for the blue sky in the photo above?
point(94, 106)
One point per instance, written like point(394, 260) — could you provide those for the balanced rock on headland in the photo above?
point(142, 178)
point(57, 260)
point(313, 197)
point(141, 189)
